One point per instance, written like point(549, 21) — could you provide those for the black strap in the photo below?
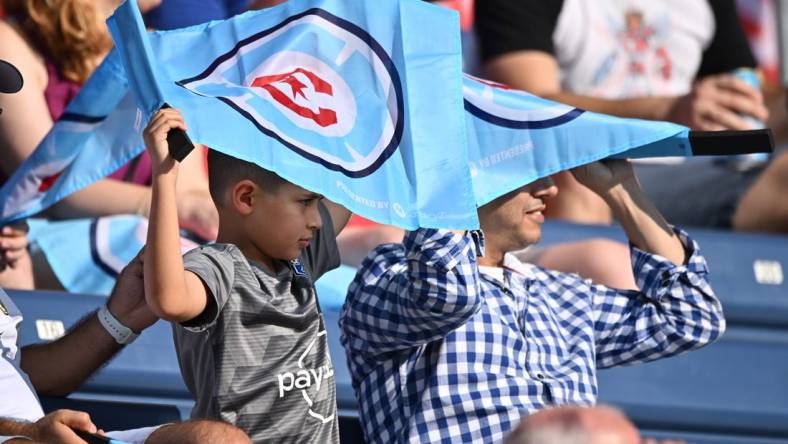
point(725, 143)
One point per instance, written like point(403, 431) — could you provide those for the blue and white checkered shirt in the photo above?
point(443, 350)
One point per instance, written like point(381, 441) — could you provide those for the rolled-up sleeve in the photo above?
point(674, 311)
point(406, 295)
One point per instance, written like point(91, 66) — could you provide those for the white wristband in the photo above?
point(122, 334)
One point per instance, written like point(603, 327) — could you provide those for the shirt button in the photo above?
point(540, 376)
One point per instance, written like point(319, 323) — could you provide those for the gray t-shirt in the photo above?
point(259, 358)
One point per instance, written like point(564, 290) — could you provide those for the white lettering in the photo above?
point(303, 379)
point(282, 387)
point(496, 158)
point(381, 204)
point(318, 377)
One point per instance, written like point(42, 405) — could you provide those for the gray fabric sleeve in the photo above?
point(322, 255)
point(214, 265)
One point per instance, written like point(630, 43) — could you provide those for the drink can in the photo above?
point(750, 76)
point(748, 161)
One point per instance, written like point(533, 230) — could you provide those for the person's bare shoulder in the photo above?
point(17, 50)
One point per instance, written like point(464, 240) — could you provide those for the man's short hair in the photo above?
point(225, 171)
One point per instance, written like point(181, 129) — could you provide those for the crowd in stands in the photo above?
point(478, 336)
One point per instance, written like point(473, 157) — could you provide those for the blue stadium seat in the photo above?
point(143, 376)
point(746, 269)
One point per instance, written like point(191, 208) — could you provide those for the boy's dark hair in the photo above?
point(225, 171)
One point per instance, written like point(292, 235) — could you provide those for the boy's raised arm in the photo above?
point(171, 292)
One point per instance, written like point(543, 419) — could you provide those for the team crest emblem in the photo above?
point(306, 83)
point(298, 267)
point(503, 106)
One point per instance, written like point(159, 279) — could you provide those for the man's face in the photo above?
point(514, 220)
point(283, 222)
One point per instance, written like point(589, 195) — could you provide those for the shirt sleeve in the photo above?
point(729, 48)
point(214, 265)
point(505, 26)
point(322, 254)
point(674, 311)
point(406, 295)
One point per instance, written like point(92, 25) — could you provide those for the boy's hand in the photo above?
point(155, 136)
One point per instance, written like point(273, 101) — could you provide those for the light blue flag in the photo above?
point(347, 99)
point(87, 255)
point(515, 138)
point(97, 134)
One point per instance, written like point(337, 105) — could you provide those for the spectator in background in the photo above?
point(578, 425)
point(667, 60)
point(575, 425)
point(56, 44)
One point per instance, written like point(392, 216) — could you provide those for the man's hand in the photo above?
point(127, 301)
point(604, 176)
point(155, 136)
point(13, 244)
point(717, 102)
point(616, 183)
point(58, 427)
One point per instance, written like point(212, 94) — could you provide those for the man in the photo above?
point(451, 339)
point(60, 367)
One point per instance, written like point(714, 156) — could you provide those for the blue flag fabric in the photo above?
point(338, 97)
point(515, 138)
point(97, 134)
point(335, 96)
point(87, 255)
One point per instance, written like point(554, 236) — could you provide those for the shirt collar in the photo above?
point(514, 265)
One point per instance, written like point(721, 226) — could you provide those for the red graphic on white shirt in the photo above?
point(639, 42)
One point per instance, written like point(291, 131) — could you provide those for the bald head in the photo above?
point(575, 425)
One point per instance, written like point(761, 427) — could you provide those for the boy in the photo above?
point(249, 333)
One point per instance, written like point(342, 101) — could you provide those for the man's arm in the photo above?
point(410, 294)
point(675, 309)
point(713, 103)
point(88, 346)
point(538, 73)
point(55, 428)
point(615, 182)
point(171, 292)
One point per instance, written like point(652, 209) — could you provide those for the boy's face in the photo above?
point(283, 222)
